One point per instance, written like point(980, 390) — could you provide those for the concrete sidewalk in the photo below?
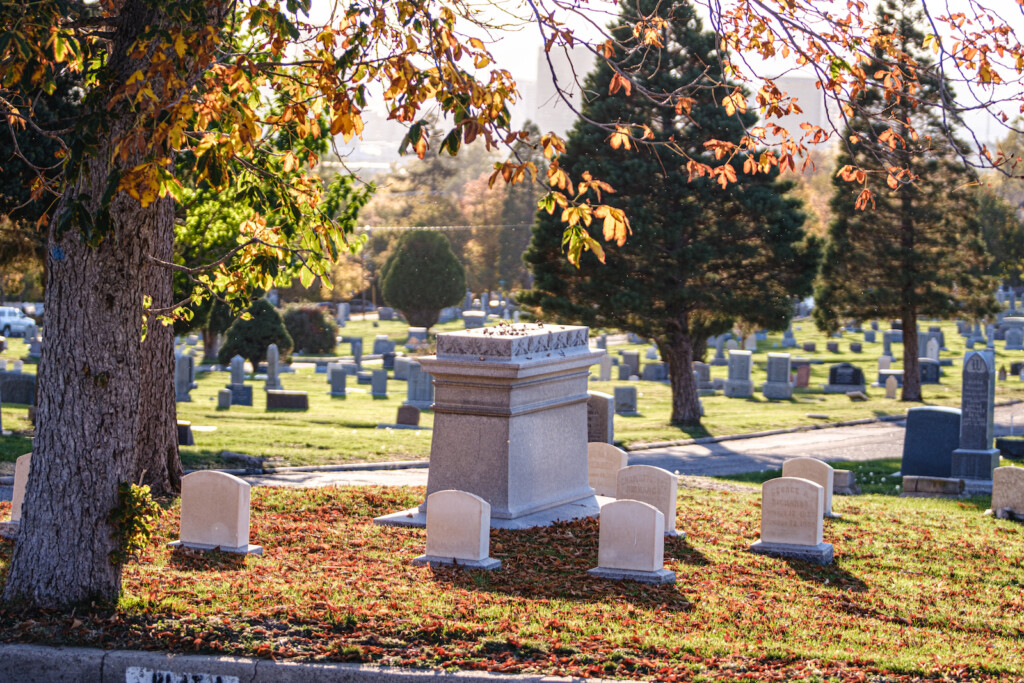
point(41, 664)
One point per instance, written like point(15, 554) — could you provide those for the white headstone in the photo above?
point(632, 543)
point(215, 513)
point(813, 470)
point(238, 370)
point(458, 530)
point(1007, 492)
point(21, 471)
point(651, 485)
point(605, 369)
point(932, 349)
point(791, 520)
point(603, 464)
point(891, 386)
point(884, 362)
point(273, 370)
point(600, 417)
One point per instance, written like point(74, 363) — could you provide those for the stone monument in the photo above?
point(976, 459)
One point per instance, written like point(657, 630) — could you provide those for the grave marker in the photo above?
point(379, 384)
point(336, 376)
point(976, 458)
point(819, 472)
point(408, 415)
point(843, 378)
point(625, 401)
point(932, 434)
point(739, 385)
point(21, 472)
point(1007, 492)
point(778, 385)
point(631, 544)
point(215, 513)
point(279, 399)
point(182, 379)
point(791, 520)
point(654, 486)
point(458, 531)
point(891, 386)
point(600, 417)
point(273, 375)
point(605, 369)
point(604, 461)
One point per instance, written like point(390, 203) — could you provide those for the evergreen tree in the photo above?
point(916, 248)
point(700, 256)
point(250, 338)
point(422, 277)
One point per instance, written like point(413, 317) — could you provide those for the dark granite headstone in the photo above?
point(976, 400)
point(18, 387)
point(832, 347)
point(874, 325)
point(388, 360)
point(408, 415)
point(930, 371)
point(810, 347)
point(185, 437)
point(856, 347)
point(932, 435)
point(845, 374)
point(241, 394)
point(278, 399)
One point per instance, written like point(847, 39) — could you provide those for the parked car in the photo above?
point(361, 306)
point(13, 321)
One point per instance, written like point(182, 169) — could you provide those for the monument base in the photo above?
point(932, 487)
point(779, 391)
point(719, 362)
point(662, 576)
point(1006, 513)
point(817, 554)
point(422, 405)
point(970, 464)
point(675, 533)
point(241, 550)
point(588, 507)
point(487, 564)
point(9, 529)
point(843, 388)
point(738, 388)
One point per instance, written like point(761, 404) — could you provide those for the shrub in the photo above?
point(311, 330)
point(422, 277)
point(250, 338)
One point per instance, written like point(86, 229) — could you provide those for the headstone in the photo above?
point(810, 347)
point(631, 544)
point(1002, 373)
point(1007, 493)
point(845, 483)
point(1015, 339)
point(739, 385)
point(273, 375)
point(654, 486)
point(869, 336)
point(336, 376)
point(856, 347)
point(655, 372)
point(652, 353)
point(388, 360)
point(930, 371)
point(364, 377)
point(408, 415)
point(791, 520)
point(719, 358)
point(21, 472)
point(215, 513)
point(632, 360)
point(382, 345)
point(379, 384)
point(625, 401)
point(420, 390)
point(417, 338)
point(932, 434)
point(819, 472)
point(892, 385)
point(458, 531)
point(750, 343)
point(778, 385)
point(600, 417)
point(602, 342)
point(385, 313)
point(832, 347)
point(344, 310)
point(604, 373)
point(731, 345)
point(884, 362)
point(788, 340)
point(803, 376)
point(185, 437)
point(278, 399)
point(223, 399)
point(843, 378)
point(473, 319)
point(625, 372)
point(356, 344)
point(238, 370)
point(182, 379)
point(402, 367)
point(932, 349)
point(603, 464)
point(976, 458)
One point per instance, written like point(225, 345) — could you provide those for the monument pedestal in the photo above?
point(780, 391)
point(738, 388)
point(971, 464)
point(818, 554)
point(510, 417)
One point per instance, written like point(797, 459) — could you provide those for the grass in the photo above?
point(921, 588)
point(337, 431)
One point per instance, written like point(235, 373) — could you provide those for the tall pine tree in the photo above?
point(916, 248)
point(700, 256)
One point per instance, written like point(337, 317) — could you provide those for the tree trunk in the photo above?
point(158, 463)
point(911, 366)
point(677, 350)
point(87, 411)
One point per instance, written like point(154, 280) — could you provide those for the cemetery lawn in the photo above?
point(921, 588)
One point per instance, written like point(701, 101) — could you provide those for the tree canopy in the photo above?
point(422, 277)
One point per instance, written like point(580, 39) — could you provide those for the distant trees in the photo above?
point(422, 277)
point(249, 338)
point(311, 330)
point(702, 254)
point(918, 248)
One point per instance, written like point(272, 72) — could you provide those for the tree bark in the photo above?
point(158, 463)
point(677, 350)
point(911, 364)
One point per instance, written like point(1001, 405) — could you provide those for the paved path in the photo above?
point(859, 442)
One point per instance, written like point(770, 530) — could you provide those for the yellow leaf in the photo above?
point(179, 45)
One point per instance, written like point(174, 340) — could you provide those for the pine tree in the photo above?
point(422, 277)
point(916, 248)
point(700, 256)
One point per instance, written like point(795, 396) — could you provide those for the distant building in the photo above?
point(568, 69)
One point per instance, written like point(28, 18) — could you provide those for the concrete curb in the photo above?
point(43, 664)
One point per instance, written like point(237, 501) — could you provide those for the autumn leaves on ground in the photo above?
point(920, 588)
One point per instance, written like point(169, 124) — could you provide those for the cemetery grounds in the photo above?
point(921, 589)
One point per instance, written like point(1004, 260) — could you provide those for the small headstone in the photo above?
point(364, 377)
point(279, 399)
point(750, 343)
point(731, 345)
point(215, 513)
point(810, 347)
point(631, 544)
point(931, 371)
point(223, 399)
point(845, 483)
point(791, 520)
point(385, 313)
point(856, 347)
point(739, 385)
point(1014, 339)
point(336, 376)
point(379, 384)
point(1007, 492)
point(819, 472)
point(408, 415)
point(417, 338)
point(604, 373)
point(21, 471)
point(654, 486)
point(891, 387)
point(631, 359)
point(273, 375)
point(402, 367)
point(185, 437)
point(603, 464)
point(932, 434)
point(884, 362)
point(238, 370)
point(625, 401)
point(803, 376)
point(652, 353)
point(600, 417)
point(458, 531)
point(420, 389)
point(778, 385)
point(869, 336)
point(1002, 373)
point(932, 349)
point(843, 378)
point(182, 379)
point(832, 347)
point(655, 372)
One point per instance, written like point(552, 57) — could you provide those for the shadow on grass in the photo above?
point(678, 549)
point(186, 559)
point(837, 578)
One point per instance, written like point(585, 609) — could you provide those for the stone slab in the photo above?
point(929, 487)
point(249, 549)
point(660, 577)
point(414, 517)
point(487, 564)
point(278, 399)
point(817, 554)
